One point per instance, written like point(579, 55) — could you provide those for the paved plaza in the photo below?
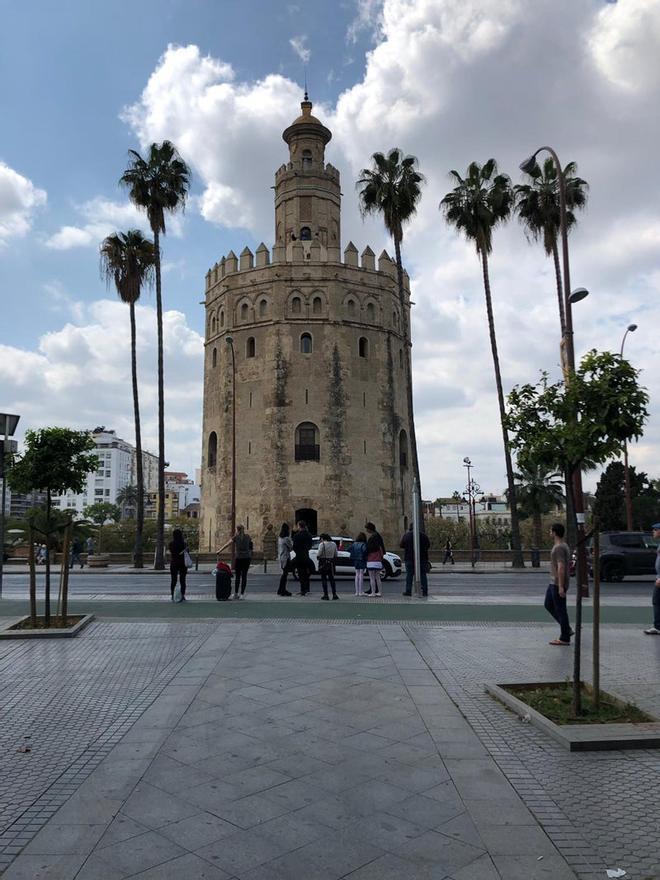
point(265, 750)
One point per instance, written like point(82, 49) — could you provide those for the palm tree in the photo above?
point(537, 207)
point(393, 188)
point(475, 206)
point(127, 498)
point(158, 184)
point(539, 491)
point(128, 260)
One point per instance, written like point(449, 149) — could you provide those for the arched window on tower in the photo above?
point(305, 234)
point(371, 313)
point(403, 449)
point(222, 317)
point(317, 305)
point(212, 455)
point(212, 324)
point(214, 357)
point(350, 308)
point(306, 344)
point(307, 442)
point(250, 347)
point(263, 308)
point(306, 160)
point(244, 312)
point(363, 347)
point(296, 305)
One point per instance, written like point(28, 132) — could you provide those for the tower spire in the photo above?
point(306, 98)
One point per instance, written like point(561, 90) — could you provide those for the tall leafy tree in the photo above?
point(478, 203)
point(392, 189)
point(158, 184)
point(539, 491)
point(537, 207)
point(610, 499)
point(100, 513)
point(128, 260)
point(55, 460)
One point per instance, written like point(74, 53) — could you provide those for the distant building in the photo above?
point(191, 511)
point(488, 509)
point(117, 462)
point(20, 504)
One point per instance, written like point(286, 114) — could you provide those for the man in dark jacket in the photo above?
point(302, 544)
point(408, 546)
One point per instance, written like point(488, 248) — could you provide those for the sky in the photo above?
point(450, 81)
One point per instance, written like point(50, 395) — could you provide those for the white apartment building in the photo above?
point(116, 469)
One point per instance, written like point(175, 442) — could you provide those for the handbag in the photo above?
point(177, 593)
point(187, 559)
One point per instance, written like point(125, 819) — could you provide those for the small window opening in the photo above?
point(365, 446)
point(250, 398)
point(306, 395)
point(249, 447)
point(364, 398)
point(363, 347)
point(305, 234)
point(212, 456)
point(296, 305)
point(317, 305)
point(401, 358)
point(214, 357)
point(244, 312)
point(222, 317)
point(263, 308)
point(306, 343)
point(350, 306)
point(251, 347)
point(371, 313)
point(306, 160)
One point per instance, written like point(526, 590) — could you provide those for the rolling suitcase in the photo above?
point(222, 582)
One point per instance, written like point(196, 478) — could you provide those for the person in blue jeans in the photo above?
point(358, 553)
point(408, 545)
point(655, 629)
point(555, 595)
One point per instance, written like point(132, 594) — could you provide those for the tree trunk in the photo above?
point(33, 578)
point(537, 523)
point(560, 295)
point(159, 561)
point(64, 588)
point(577, 649)
point(139, 525)
point(48, 549)
point(408, 377)
point(518, 561)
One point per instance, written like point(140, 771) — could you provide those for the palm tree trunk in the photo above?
point(537, 523)
point(560, 295)
point(518, 561)
point(139, 525)
point(408, 362)
point(48, 549)
point(159, 562)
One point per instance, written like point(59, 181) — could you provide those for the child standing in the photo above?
point(358, 553)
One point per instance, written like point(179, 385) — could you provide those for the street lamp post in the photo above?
point(471, 490)
point(230, 343)
point(574, 481)
point(8, 424)
point(626, 472)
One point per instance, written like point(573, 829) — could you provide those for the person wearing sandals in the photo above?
point(555, 596)
point(375, 553)
point(284, 547)
point(358, 553)
point(326, 557)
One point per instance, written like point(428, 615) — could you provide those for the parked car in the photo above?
point(623, 554)
point(391, 562)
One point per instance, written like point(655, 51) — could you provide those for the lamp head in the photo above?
point(229, 340)
point(466, 460)
point(529, 164)
point(578, 294)
point(631, 328)
point(8, 424)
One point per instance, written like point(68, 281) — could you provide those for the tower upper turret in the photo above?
point(307, 194)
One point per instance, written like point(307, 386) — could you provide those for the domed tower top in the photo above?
point(307, 193)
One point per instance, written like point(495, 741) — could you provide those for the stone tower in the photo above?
point(322, 422)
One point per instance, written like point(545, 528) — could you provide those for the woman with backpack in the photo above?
point(375, 553)
point(326, 556)
point(284, 547)
point(358, 554)
point(178, 557)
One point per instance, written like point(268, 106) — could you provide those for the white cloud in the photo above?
point(624, 43)
point(79, 376)
point(19, 200)
point(302, 51)
point(100, 217)
point(451, 81)
point(368, 17)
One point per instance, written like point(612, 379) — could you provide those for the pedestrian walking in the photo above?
point(326, 557)
point(42, 554)
point(655, 629)
point(76, 550)
point(89, 547)
point(178, 568)
point(375, 554)
point(555, 596)
point(242, 557)
point(284, 548)
point(302, 544)
point(358, 553)
point(449, 553)
point(408, 545)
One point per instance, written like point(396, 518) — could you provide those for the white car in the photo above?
point(391, 562)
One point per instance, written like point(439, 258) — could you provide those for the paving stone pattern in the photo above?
point(601, 810)
point(70, 702)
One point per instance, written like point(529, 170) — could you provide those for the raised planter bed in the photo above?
point(19, 628)
point(581, 737)
point(101, 560)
